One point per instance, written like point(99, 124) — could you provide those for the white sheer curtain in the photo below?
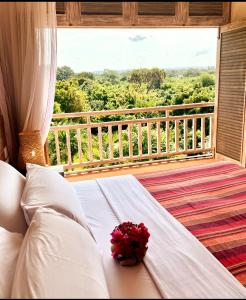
point(28, 65)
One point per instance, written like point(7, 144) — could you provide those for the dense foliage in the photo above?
point(110, 90)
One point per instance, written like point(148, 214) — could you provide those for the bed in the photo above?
point(207, 193)
point(69, 225)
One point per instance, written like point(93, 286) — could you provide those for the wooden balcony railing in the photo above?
point(130, 136)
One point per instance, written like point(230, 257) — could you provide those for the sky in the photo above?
point(90, 49)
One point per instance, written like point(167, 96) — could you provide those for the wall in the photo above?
point(238, 11)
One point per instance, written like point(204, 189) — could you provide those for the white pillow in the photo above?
point(10, 244)
point(58, 259)
point(11, 188)
point(47, 188)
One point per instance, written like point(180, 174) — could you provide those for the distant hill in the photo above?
point(173, 72)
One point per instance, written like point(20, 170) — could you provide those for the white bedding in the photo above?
point(58, 259)
point(176, 265)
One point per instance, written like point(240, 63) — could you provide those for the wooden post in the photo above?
point(140, 147)
point(89, 139)
point(203, 133)
point(194, 133)
point(185, 135)
point(176, 135)
point(111, 148)
point(57, 148)
point(130, 140)
point(69, 156)
point(120, 141)
point(149, 138)
point(167, 133)
point(79, 144)
point(158, 124)
point(211, 132)
point(100, 142)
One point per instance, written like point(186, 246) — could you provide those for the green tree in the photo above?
point(110, 75)
point(154, 77)
point(70, 97)
point(207, 79)
point(64, 73)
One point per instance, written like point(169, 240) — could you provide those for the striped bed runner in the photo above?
point(210, 201)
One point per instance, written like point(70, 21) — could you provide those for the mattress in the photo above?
point(210, 201)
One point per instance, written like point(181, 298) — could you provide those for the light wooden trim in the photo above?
point(167, 133)
point(58, 157)
point(158, 126)
point(68, 146)
point(211, 121)
point(194, 133)
point(136, 121)
point(219, 156)
point(149, 138)
point(120, 141)
point(130, 12)
point(73, 13)
point(217, 83)
point(185, 135)
point(130, 18)
point(89, 142)
point(176, 135)
point(126, 12)
point(79, 144)
point(212, 21)
point(130, 123)
point(127, 158)
point(182, 12)
point(140, 146)
point(131, 111)
point(63, 19)
point(103, 21)
point(100, 143)
point(152, 21)
point(205, 21)
point(110, 139)
point(203, 133)
point(233, 26)
point(227, 12)
point(139, 164)
point(130, 140)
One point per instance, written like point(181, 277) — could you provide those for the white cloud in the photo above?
point(137, 38)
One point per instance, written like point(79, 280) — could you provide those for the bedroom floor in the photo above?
point(141, 169)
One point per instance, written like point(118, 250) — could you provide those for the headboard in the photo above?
point(3, 144)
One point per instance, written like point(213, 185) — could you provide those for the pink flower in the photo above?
point(129, 240)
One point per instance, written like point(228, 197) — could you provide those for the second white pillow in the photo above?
point(47, 188)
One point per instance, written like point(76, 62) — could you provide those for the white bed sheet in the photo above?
point(123, 282)
point(105, 199)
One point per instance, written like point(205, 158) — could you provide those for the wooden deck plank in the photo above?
point(142, 169)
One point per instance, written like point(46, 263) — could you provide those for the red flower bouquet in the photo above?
point(129, 243)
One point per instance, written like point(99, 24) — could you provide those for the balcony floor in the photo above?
point(158, 166)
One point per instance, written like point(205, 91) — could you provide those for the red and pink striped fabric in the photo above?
point(210, 201)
